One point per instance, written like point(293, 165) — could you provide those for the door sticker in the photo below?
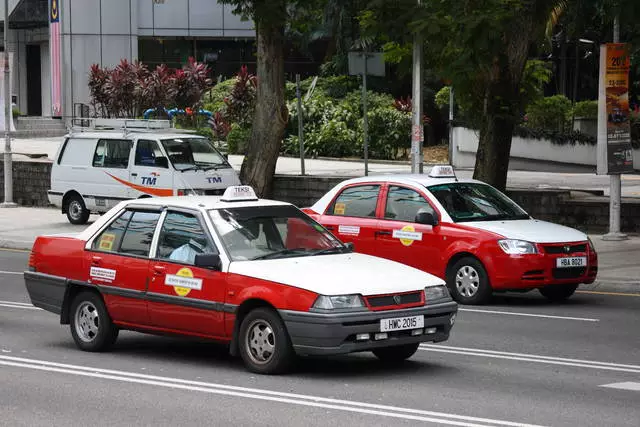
point(351, 230)
point(339, 209)
point(103, 274)
point(106, 242)
point(183, 282)
point(407, 235)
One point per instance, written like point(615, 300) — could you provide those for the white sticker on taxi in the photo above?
point(105, 274)
point(351, 230)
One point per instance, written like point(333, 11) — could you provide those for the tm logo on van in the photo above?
point(147, 180)
point(214, 180)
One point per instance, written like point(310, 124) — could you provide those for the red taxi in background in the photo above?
point(259, 275)
point(465, 231)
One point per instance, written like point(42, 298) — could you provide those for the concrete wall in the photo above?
point(531, 154)
point(31, 181)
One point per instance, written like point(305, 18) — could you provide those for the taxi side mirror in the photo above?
point(349, 246)
point(426, 218)
point(210, 261)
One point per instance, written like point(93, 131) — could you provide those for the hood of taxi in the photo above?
point(340, 274)
point(531, 230)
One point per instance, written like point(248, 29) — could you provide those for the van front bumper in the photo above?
point(330, 334)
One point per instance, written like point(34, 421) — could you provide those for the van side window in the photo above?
point(112, 153)
point(148, 153)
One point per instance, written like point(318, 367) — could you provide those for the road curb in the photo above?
point(16, 244)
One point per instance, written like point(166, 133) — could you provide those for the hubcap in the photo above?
point(75, 209)
point(260, 342)
point(87, 321)
point(467, 281)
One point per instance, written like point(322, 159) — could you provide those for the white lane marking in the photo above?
point(23, 307)
point(624, 386)
point(28, 304)
point(261, 394)
point(513, 313)
point(17, 273)
point(531, 358)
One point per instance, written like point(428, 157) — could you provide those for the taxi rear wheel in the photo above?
point(558, 292)
point(91, 326)
point(396, 353)
point(265, 346)
point(468, 281)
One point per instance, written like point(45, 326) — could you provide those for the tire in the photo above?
point(397, 353)
point(264, 343)
point(90, 323)
point(558, 292)
point(468, 282)
point(77, 212)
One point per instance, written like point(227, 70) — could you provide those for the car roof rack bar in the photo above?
point(126, 125)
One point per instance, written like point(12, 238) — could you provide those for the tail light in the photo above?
point(32, 261)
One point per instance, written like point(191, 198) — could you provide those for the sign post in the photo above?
point(300, 124)
point(8, 121)
point(417, 127)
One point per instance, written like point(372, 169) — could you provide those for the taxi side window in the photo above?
point(403, 204)
point(112, 153)
point(139, 234)
point(360, 201)
point(182, 238)
point(111, 237)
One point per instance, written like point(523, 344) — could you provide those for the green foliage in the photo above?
point(16, 112)
point(552, 113)
point(586, 109)
point(442, 97)
point(238, 139)
point(214, 98)
point(536, 75)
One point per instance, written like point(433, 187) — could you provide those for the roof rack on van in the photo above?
point(126, 125)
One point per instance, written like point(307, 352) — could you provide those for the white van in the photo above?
point(98, 167)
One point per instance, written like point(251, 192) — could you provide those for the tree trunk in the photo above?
point(271, 112)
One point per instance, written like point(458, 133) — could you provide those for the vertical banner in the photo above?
point(615, 63)
point(2, 94)
point(55, 43)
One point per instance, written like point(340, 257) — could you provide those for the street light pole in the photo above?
point(615, 184)
point(8, 164)
point(416, 104)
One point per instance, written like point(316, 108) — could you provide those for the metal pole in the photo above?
point(416, 117)
point(365, 124)
point(300, 124)
point(451, 146)
point(615, 185)
point(8, 164)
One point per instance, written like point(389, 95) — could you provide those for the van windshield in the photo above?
point(193, 154)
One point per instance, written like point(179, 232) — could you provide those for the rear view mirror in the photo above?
point(426, 218)
point(162, 162)
point(349, 246)
point(210, 261)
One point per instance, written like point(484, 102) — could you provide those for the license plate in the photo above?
point(571, 262)
point(101, 202)
point(401, 323)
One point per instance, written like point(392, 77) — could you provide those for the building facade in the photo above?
point(55, 42)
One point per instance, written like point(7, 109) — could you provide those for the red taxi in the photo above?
point(259, 275)
point(465, 231)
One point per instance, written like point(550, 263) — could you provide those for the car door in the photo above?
point(150, 173)
point(400, 238)
point(109, 172)
point(182, 297)
point(118, 263)
point(352, 216)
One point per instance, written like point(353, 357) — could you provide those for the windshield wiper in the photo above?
point(332, 250)
point(190, 168)
point(276, 254)
point(216, 167)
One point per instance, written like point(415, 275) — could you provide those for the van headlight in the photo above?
point(517, 247)
point(338, 302)
point(432, 293)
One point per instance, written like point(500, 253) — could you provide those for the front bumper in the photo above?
point(335, 333)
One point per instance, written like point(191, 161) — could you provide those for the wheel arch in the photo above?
point(73, 289)
point(67, 197)
point(241, 312)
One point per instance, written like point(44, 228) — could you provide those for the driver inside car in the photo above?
point(187, 252)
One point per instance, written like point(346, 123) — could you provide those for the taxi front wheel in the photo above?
point(265, 346)
point(91, 326)
point(468, 281)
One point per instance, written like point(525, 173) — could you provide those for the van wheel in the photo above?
point(468, 282)
point(77, 212)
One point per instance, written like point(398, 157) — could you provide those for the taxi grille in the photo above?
point(568, 273)
point(565, 249)
point(395, 300)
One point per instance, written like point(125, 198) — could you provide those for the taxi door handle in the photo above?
point(134, 174)
point(330, 227)
point(382, 233)
point(96, 260)
point(159, 270)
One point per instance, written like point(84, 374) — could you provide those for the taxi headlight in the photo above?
point(432, 293)
point(338, 302)
point(517, 247)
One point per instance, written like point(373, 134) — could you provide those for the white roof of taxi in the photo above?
point(203, 202)
point(410, 179)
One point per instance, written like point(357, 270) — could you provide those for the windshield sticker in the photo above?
point(103, 274)
point(183, 282)
point(339, 209)
point(349, 229)
point(407, 235)
point(106, 242)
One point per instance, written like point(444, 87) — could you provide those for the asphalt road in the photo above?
point(519, 361)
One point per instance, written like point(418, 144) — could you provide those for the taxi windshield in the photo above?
point(468, 201)
point(193, 154)
point(270, 232)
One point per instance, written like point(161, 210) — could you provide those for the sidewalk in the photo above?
point(619, 269)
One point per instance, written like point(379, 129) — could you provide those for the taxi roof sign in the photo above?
point(442, 171)
point(239, 193)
